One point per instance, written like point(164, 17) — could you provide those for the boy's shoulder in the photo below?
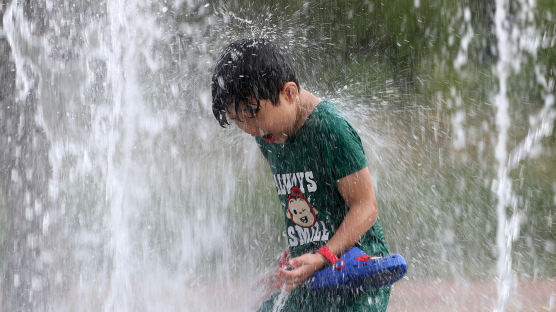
point(327, 117)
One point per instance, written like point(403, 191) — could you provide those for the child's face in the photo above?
point(275, 123)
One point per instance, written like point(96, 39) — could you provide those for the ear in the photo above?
point(290, 91)
point(288, 214)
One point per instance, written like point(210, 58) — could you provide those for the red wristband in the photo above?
point(330, 256)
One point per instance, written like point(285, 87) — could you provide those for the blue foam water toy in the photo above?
point(361, 272)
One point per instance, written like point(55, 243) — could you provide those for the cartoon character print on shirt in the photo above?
point(299, 210)
point(303, 215)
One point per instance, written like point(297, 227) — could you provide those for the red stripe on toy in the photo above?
point(283, 262)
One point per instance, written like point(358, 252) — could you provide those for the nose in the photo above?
point(248, 128)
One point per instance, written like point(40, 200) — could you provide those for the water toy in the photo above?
point(356, 270)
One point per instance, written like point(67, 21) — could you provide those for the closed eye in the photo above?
point(249, 112)
point(244, 113)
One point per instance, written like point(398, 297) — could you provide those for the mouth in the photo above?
point(268, 138)
point(304, 219)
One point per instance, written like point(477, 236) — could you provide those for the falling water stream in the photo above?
point(511, 44)
point(120, 192)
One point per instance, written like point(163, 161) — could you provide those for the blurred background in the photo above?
point(119, 191)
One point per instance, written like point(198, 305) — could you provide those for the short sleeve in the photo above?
point(346, 150)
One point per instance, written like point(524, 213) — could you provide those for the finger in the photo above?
point(283, 276)
point(292, 274)
point(296, 262)
point(285, 279)
point(295, 278)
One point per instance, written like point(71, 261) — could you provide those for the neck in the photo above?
point(306, 105)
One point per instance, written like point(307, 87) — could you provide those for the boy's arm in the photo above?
point(357, 190)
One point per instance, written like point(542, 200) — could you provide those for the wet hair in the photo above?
point(247, 71)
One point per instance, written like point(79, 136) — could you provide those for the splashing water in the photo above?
point(280, 300)
point(128, 188)
point(120, 189)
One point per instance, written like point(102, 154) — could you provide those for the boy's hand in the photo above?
point(304, 267)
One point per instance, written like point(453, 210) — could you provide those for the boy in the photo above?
point(318, 165)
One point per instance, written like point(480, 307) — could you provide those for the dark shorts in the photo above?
point(302, 300)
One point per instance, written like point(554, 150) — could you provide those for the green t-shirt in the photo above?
point(306, 169)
